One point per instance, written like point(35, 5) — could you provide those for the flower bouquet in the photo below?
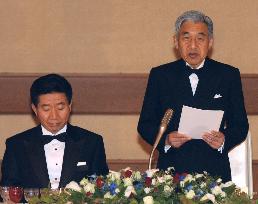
point(151, 187)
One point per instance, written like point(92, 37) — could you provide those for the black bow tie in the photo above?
point(192, 70)
point(48, 138)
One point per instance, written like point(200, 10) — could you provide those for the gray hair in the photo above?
point(196, 17)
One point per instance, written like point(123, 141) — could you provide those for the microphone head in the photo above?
point(166, 118)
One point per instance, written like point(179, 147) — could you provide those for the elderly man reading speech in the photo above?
point(198, 82)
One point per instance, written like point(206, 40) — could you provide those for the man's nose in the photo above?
point(193, 43)
point(53, 114)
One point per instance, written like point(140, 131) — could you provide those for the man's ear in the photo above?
point(70, 106)
point(34, 109)
point(210, 43)
point(175, 41)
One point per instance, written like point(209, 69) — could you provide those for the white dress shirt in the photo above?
point(54, 152)
point(194, 78)
point(194, 82)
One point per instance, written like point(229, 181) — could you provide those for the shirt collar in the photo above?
point(46, 132)
point(200, 66)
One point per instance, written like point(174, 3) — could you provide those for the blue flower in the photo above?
point(189, 187)
point(181, 177)
point(138, 185)
point(112, 188)
point(212, 185)
point(199, 193)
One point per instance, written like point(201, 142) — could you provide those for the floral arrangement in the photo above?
point(151, 187)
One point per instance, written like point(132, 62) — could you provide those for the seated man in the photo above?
point(54, 152)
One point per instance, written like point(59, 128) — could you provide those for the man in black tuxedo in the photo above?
point(199, 82)
point(55, 152)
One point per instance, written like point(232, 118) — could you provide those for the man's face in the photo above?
point(193, 42)
point(52, 111)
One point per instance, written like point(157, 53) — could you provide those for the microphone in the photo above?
point(162, 128)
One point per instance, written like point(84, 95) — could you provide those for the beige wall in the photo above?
point(84, 36)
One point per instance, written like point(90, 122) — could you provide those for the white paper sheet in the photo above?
point(194, 122)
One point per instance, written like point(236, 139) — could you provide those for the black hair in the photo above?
point(51, 83)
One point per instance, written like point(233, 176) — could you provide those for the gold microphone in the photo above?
point(162, 128)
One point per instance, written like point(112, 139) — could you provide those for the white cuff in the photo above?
point(166, 148)
point(221, 147)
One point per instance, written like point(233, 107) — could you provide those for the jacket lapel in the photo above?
point(36, 155)
point(71, 155)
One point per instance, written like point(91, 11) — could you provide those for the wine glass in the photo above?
point(15, 194)
point(30, 192)
point(4, 191)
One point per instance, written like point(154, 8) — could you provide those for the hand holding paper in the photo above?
point(176, 139)
point(214, 138)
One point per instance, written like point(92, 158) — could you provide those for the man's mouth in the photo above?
point(193, 55)
point(53, 124)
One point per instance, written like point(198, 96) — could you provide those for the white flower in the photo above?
point(84, 182)
point(151, 172)
point(203, 184)
point(148, 200)
point(168, 177)
point(244, 189)
point(128, 182)
point(147, 190)
point(219, 180)
point(113, 175)
point(73, 186)
point(189, 178)
point(198, 175)
point(129, 190)
point(190, 195)
point(161, 179)
point(137, 175)
point(108, 195)
point(153, 182)
point(167, 189)
point(208, 196)
point(89, 188)
point(223, 194)
point(117, 190)
point(169, 169)
point(216, 190)
point(225, 185)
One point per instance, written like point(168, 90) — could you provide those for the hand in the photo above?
point(176, 139)
point(214, 139)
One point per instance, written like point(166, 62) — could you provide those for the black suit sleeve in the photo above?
point(151, 113)
point(236, 122)
point(99, 165)
point(10, 170)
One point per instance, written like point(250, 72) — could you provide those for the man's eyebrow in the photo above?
point(60, 103)
point(44, 104)
point(185, 33)
point(202, 33)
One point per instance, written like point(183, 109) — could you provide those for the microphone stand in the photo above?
point(163, 126)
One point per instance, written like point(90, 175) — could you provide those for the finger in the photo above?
point(217, 134)
point(207, 137)
point(210, 140)
point(179, 137)
point(212, 144)
point(179, 142)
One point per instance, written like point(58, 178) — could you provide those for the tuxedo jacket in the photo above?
point(24, 163)
point(169, 87)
